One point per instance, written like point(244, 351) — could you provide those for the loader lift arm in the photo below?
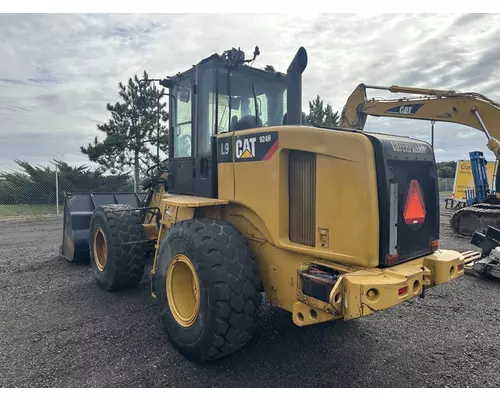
point(469, 108)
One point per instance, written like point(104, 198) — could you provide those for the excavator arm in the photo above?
point(471, 109)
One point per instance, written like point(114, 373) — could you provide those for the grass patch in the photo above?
point(28, 210)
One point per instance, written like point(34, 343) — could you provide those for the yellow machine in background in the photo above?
point(464, 180)
point(328, 223)
point(471, 109)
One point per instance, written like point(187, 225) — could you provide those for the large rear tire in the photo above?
point(118, 246)
point(207, 288)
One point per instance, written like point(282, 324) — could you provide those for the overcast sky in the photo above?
point(57, 72)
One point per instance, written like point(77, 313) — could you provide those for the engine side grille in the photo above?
point(302, 197)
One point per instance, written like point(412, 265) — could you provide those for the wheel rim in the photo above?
point(183, 290)
point(100, 249)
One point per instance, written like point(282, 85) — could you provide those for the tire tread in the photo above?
point(235, 286)
point(129, 245)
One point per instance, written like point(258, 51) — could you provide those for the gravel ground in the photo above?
point(59, 329)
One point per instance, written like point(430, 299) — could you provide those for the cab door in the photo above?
point(205, 158)
point(197, 118)
point(182, 110)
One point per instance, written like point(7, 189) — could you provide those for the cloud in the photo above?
point(58, 71)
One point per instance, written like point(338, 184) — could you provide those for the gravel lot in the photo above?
point(58, 328)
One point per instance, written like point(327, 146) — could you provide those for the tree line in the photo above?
point(446, 169)
point(36, 185)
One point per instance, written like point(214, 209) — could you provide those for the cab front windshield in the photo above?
point(238, 100)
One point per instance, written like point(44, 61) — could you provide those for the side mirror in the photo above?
point(184, 95)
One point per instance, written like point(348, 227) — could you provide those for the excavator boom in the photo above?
point(470, 109)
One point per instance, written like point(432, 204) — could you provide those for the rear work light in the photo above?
point(414, 211)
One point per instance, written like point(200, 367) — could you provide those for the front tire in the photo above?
point(207, 288)
point(118, 246)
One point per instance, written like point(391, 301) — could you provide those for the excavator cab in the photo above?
point(219, 94)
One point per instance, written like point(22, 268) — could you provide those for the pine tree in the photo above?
point(320, 115)
point(131, 132)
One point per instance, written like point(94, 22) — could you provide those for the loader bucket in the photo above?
point(78, 209)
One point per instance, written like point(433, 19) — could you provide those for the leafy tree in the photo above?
point(446, 169)
point(321, 115)
point(131, 132)
point(36, 185)
point(446, 172)
point(452, 164)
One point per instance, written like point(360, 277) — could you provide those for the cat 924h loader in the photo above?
point(328, 223)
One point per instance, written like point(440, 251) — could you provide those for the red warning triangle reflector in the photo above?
point(414, 212)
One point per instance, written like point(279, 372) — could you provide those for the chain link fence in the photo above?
point(446, 185)
point(31, 190)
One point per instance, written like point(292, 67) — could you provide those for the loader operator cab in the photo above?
point(219, 94)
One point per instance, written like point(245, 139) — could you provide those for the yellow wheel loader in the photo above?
point(327, 223)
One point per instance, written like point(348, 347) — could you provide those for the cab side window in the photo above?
point(182, 119)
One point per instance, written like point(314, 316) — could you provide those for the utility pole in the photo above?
point(57, 192)
point(57, 188)
point(432, 134)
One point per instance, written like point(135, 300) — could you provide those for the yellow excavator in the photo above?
point(468, 108)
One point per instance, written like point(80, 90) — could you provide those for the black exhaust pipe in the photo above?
point(294, 87)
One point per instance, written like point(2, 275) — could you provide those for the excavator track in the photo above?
point(465, 221)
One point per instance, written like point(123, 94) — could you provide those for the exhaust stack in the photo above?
point(294, 87)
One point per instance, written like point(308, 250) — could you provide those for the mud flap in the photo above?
point(78, 209)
